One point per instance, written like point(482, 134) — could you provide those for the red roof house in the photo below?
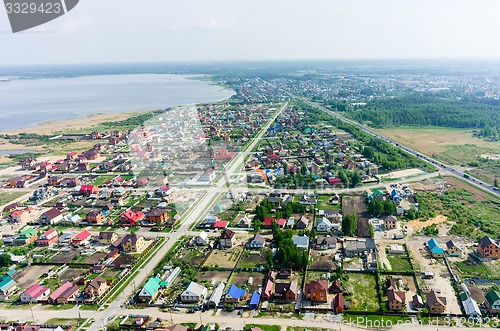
point(87, 190)
point(48, 238)
point(82, 237)
point(129, 217)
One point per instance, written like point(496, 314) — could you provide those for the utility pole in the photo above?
point(32, 315)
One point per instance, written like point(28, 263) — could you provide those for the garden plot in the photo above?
point(224, 258)
point(362, 292)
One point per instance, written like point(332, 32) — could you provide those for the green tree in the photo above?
point(349, 225)
point(5, 260)
point(495, 182)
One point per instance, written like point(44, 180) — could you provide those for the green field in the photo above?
point(363, 292)
point(487, 270)
point(6, 197)
point(399, 263)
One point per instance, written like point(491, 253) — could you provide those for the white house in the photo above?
point(257, 242)
point(324, 225)
point(194, 292)
point(471, 308)
point(201, 239)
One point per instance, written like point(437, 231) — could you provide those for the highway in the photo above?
point(438, 164)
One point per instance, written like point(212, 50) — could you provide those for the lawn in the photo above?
point(323, 203)
point(74, 322)
point(263, 327)
point(253, 260)
point(102, 179)
point(363, 292)
point(225, 258)
point(399, 263)
point(7, 197)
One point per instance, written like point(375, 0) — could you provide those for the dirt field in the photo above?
point(424, 187)
point(477, 194)
point(94, 258)
point(219, 276)
point(403, 173)
point(27, 277)
point(225, 258)
point(356, 205)
point(253, 260)
point(71, 274)
point(442, 279)
point(62, 258)
point(437, 140)
point(323, 260)
point(417, 225)
point(241, 279)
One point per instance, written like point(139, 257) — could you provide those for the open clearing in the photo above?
point(363, 290)
point(27, 277)
point(356, 205)
point(225, 258)
point(402, 173)
point(477, 194)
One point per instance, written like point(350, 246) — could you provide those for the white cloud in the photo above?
point(77, 24)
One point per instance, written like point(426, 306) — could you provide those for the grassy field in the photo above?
point(399, 263)
point(6, 197)
point(450, 145)
point(362, 288)
point(488, 270)
point(263, 327)
point(323, 203)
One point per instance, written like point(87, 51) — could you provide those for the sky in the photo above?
point(110, 31)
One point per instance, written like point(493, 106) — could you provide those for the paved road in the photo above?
point(440, 165)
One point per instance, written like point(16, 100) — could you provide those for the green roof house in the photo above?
point(492, 302)
point(7, 285)
point(26, 237)
point(150, 289)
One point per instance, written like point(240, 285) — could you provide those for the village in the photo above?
point(308, 223)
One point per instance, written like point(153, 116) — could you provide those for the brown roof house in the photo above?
point(227, 239)
point(339, 303)
point(435, 303)
point(396, 300)
point(96, 287)
point(316, 291)
point(94, 217)
point(51, 216)
point(107, 237)
point(133, 243)
point(488, 248)
point(285, 291)
point(157, 216)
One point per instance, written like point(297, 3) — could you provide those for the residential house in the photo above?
point(316, 291)
point(334, 215)
point(19, 215)
point(286, 291)
point(26, 237)
point(107, 237)
point(227, 238)
point(302, 242)
point(492, 302)
point(356, 246)
point(194, 292)
point(452, 249)
point(64, 294)
point(133, 243)
point(157, 216)
point(48, 238)
point(302, 223)
point(94, 217)
point(255, 300)
point(336, 287)
point(324, 225)
point(150, 289)
point(244, 222)
point(82, 238)
point(396, 300)
point(88, 190)
point(435, 303)
point(34, 293)
point(10, 207)
point(130, 218)
point(175, 327)
point(211, 220)
point(96, 287)
point(235, 294)
point(256, 242)
point(390, 222)
point(339, 303)
point(488, 248)
point(435, 249)
point(322, 243)
point(417, 302)
point(7, 285)
point(471, 308)
point(201, 239)
point(50, 217)
point(268, 221)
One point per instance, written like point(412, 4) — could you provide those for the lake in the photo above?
point(28, 102)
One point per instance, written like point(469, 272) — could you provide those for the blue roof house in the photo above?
point(254, 300)
point(7, 285)
point(235, 294)
point(434, 248)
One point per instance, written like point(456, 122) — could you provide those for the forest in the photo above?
point(426, 110)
